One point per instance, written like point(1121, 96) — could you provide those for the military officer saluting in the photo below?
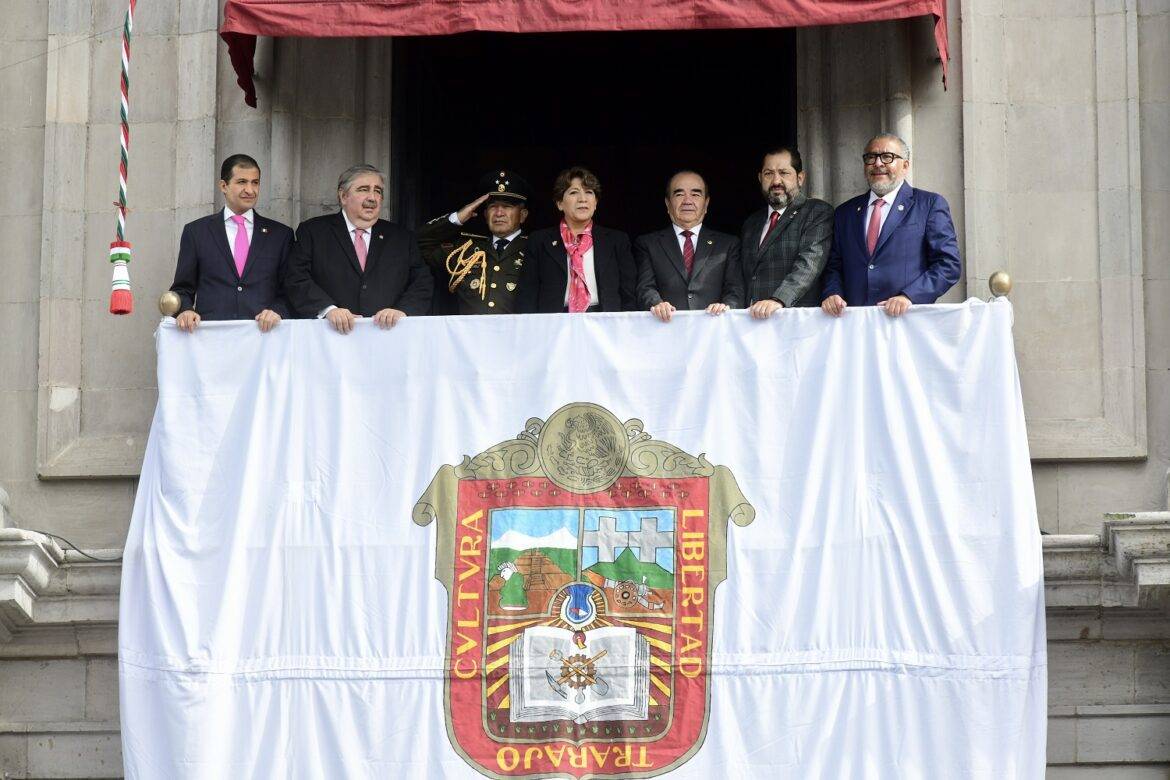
point(482, 271)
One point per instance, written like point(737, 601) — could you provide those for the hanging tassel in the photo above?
point(121, 296)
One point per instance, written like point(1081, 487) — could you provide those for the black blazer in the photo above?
point(545, 273)
point(206, 278)
point(716, 276)
point(324, 270)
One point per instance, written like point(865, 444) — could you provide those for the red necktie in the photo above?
point(771, 226)
point(359, 246)
point(688, 251)
point(875, 226)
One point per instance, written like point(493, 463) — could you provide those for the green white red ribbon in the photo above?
point(121, 296)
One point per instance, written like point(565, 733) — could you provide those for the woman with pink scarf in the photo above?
point(578, 266)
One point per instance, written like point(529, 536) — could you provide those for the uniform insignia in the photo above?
point(474, 284)
point(447, 245)
point(500, 188)
point(519, 262)
point(511, 286)
point(580, 641)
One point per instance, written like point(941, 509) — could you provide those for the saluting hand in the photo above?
point(468, 212)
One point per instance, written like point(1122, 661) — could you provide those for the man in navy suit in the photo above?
point(895, 245)
point(352, 264)
point(232, 263)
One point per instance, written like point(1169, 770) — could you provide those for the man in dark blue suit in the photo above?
point(895, 245)
point(232, 263)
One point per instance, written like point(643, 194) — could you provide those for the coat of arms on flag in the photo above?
point(580, 560)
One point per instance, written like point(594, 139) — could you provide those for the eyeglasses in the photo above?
point(869, 158)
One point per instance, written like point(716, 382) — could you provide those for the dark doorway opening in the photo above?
point(632, 106)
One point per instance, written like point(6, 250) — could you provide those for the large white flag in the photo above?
point(588, 546)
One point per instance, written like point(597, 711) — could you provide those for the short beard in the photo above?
point(779, 200)
point(881, 189)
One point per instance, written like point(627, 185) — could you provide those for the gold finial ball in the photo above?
point(1000, 283)
point(169, 303)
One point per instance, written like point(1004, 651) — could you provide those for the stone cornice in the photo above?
point(43, 586)
point(1126, 566)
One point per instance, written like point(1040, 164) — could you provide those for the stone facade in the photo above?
point(1048, 145)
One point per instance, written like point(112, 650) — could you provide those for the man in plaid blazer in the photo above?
point(784, 245)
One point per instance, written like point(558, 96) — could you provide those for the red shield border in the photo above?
point(476, 672)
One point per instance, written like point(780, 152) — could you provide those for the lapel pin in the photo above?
point(710, 242)
point(900, 207)
point(554, 243)
point(859, 208)
point(379, 235)
point(263, 230)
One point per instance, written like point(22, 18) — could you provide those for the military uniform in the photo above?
point(482, 279)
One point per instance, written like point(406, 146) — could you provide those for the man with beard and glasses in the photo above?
point(352, 264)
point(893, 246)
point(481, 272)
point(784, 246)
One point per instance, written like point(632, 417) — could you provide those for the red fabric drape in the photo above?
point(245, 19)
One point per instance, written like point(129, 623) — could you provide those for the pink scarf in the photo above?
point(578, 289)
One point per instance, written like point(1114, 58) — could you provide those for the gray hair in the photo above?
point(349, 174)
point(891, 137)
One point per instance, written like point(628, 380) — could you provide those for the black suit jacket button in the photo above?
point(363, 287)
point(690, 295)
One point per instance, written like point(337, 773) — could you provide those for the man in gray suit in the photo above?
point(688, 266)
point(786, 244)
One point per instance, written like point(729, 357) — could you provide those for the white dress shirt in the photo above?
point(350, 227)
point(678, 233)
point(889, 198)
point(230, 226)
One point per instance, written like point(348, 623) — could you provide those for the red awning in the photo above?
point(243, 20)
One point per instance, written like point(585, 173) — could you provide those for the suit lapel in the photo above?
point(668, 240)
point(216, 224)
point(346, 242)
point(259, 237)
point(751, 248)
point(560, 258)
point(704, 246)
point(898, 211)
point(786, 219)
point(377, 245)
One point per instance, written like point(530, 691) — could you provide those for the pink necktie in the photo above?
point(240, 250)
point(359, 246)
point(875, 226)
